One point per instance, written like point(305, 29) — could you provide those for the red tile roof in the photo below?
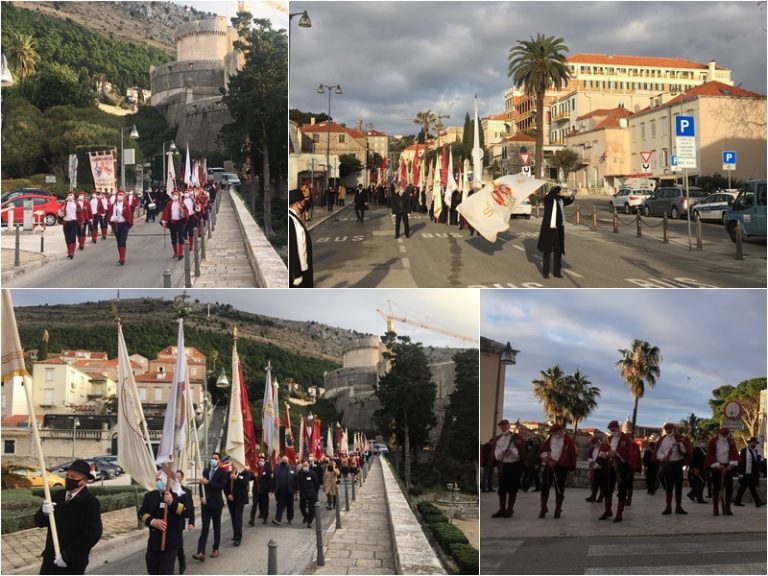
point(18, 420)
point(650, 61)
point(612, 118)
point(717, 89)
point(323, 127)
point(520, 137)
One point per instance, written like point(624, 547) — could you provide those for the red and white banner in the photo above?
point(103, 170)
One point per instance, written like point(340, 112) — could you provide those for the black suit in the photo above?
point(78, 524)
point(552, 239)
point(361, 202)
point(189, 505)
point(211, 509)
point(401, 207)
point(262, 486)
point(309, 486)
point(299, 278)
point(749, 479)
point(238, 489)
point(153, 507)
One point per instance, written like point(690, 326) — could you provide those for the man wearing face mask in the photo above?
point(300, 267)
point(77, 513)
point(160, 559)
point(98, 210)
point(236, 490)
point(673, 452)
point(722, 460)
point(309, 485)
point(262, 486)
point(82, 230)
point(749, 468)
point(120, 217)
point(185, 497)
point(285, 488)
point(193, 216)
point(72, 217)
point(211, 504)
point(617, 453)
point(552, 233)
point(174, 217)
point(558, 456)
point(510, 453)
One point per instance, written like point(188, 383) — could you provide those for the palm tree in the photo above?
point(550, 390)
point(425, 120)
point(692, 425)
point(537, 65)
point(582, 398)
point(22, 55)
point(639, 365)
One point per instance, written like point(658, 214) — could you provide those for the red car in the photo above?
point(40, 202)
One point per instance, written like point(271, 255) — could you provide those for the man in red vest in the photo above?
point(558, 456)
point(673, 452)
point(511, 455)
point(616, 456)
point(722, 460)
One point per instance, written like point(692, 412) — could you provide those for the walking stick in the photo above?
point(721, 493)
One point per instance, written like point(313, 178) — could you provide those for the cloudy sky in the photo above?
point(454, 310)
point(707, 338)
point(394, 59)
point(275, 10)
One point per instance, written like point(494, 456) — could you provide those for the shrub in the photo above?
point(466, 558)
point(447, 534)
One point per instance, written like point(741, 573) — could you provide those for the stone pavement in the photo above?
point(21, 551)
point(643, 518)
point(363, 544)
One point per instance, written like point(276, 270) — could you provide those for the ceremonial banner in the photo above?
point(12, 352)
point(170, 178)
point(134, 452)
point(451, 182)
point(317, 439)
point(174, 429)
point(269, 435)
point(73, 171)
point(477, 153)
point(235, 446)
point(290, 451)
point(415, 167)
point(329, 443)
point(187, 169)
point(437, 197)
point(489, 209)
point(103, 170)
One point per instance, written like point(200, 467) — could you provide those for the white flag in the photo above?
point(329, 443)
point(477, 153)
point(187, 169)
point(436, 196)
point(269, 435)
point(12, 352)
point(133, 449)
point(451, 186)
point(235, 446)
point(174, 430)
point(170, 178)
point(488, 211)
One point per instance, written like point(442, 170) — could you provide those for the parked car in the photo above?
point(32, 477)
point(229, 179)
point(11, 194)
point(48, 204)
point(672, 201)
point(713, 207)
point(748, 210)
point(111, 466)
point(630, 200)
point(380, 448)
point(95, 470)
point(523, 209)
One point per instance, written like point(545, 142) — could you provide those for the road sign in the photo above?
point(729, 160)
point(646, 156)
point(527, 170)
point(683, 162)
point(49, 179)
point(733, 424)
point(673, 162)
point(646, 167)
point(685, 138)
point(733, 409)
point(524, 156)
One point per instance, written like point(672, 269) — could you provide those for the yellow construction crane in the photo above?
point(390, 318)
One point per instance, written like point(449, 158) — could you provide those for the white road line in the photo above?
point(402, 248)
point(406, 263)
point(730, 546)
point(521, 248)
point(572, 273)
point(725, 568)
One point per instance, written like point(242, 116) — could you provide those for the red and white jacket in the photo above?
point(567, 458)
point(120, 210)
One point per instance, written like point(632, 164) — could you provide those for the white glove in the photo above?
point(48, 507)
point(717, 465)
point(59, 561)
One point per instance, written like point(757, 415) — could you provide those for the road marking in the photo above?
point(402, 249)
point(406, 263)
point(572, 273)
point(507, 285)
point(522, 249)
point(725, 568)
point(730, 547)
point(668, 283)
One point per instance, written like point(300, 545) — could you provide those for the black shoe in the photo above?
point(277, 522)
point(558, 275)
point(701, 501)
point(691, 496)
point(265, 521)
point(182, 566)
point(737, 503)
point(250, 523)
point(759, 504)
point(236, 543)
point(545, 275)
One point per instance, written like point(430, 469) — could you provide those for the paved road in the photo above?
point(671, 554)
point(352, 254)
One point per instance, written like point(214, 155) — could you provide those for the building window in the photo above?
point(48, 396)
point(193, 371)
point(143, 394)
point(49, 374)
point(315, 138)
point(9, 446)
point(341, 138)
point(158, 394)
point(642, 131)
point(653, 128)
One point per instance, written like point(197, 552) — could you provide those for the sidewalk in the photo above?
point(22, 550)
point(363, 545)
point(643, 518)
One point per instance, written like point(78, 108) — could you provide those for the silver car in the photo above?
point(713, 207)
point(629, 200)
point(672, 201)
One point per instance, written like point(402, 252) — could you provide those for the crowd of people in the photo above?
point(525, 463)
point(181, 212)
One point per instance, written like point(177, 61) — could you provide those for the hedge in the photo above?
point(466, 557)
point(447, 534)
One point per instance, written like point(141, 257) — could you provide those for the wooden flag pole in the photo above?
point(165, 508)
point(41, 462)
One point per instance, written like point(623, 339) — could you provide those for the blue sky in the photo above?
point(455, 310)
point(707, 338)
point(394, 59)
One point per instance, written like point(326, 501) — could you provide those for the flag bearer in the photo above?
point(161, 557)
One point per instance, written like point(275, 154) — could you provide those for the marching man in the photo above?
point(98, 210)
point(722, 459)
point(558, 456)
point(174, 218)
point(72, 217)
point(511, 455)
point(617, 453)
point(120, 218)
point(673, 452)
point(88, 215)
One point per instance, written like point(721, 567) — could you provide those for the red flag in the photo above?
point(415, 167)
point(403, 176)
point(444, 168)
point(251, 448)
point(317, 439)
point(289, 449)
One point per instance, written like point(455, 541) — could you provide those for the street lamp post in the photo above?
point(368, 129)
point(506, 357)
point(332, 89)
point(171, 150)
point(134, 135)
point(304, 22)
point(75, 424)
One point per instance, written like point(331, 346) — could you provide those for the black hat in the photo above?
point(753, 439)
point(294, 196)
point(81, 466)
point(555, 190)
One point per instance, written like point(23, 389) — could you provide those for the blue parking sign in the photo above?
point(729, 157)
point(684, 126)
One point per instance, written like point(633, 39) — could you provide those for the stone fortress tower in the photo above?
point(188, 92)
point(352, 387)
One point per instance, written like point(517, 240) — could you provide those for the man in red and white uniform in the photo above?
point(174, 218)
point(617, 454)
point(120, 217)
point(596, 469)
point(673, 452)
point(510, 453)
point(722, 460)
point(71, 217)
point(98, 211)
point(132, 200)
point(558, 456)
point(193, 211)
point(85, 206)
